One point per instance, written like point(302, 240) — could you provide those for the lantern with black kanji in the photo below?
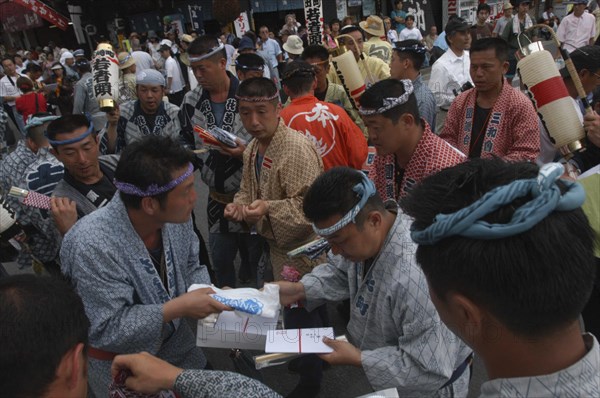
point(105, 77)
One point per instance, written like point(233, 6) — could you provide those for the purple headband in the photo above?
point(153, 189)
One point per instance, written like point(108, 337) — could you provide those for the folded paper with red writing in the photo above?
point(301, 341)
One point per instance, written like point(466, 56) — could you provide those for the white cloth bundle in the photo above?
point(247, 301)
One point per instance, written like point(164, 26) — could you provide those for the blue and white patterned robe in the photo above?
point(133, 125)
point(121, 290)
point(393, 322)
point(582, 379)
point(216, 383)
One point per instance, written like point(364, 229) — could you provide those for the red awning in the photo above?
point(15, 18)
point(46, 12)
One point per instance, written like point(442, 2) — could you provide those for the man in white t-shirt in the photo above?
point(410, 32)
point(272, 51)
point(577, 29)
point(175, 83)
point(9, 92)
point(501, 23)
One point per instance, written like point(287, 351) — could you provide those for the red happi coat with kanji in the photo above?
point(339, 141)
point(431, 155)
point(512, 131)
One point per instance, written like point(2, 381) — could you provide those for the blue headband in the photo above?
point(71, 140)
point(153, 189)
point(364, 189)
point(468, 223)
point(34, 121)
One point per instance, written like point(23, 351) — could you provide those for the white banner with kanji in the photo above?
point(313, 11)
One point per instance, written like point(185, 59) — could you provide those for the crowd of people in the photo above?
point(460, 232)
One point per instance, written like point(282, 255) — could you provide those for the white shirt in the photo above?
point(8, 89)
point(173, 71)
point(392, 36)
point(449, 73)
point(500, 25)
point(271, 49)
point(410, 34)
point(574, 32)
point(143, 60)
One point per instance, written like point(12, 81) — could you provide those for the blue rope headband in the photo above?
point(153, 189)
point(364, 189)
point(71, 140)
point(468, 223)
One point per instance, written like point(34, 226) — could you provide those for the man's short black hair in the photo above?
point(373, 98)
point(484, 7)
point(349, 29)
point(416, 58)
point(586, 57)
point(409, 17)
point(66, 124)
point(258, 87)
point(298, 77)
point(203, 45)
point(33, 67)
point(497, 44)
point(249, 61)
point(315, 51)
point(331, 194)
point(150, 161)
point(535, 282)
point(41, 319)
point(7, 58)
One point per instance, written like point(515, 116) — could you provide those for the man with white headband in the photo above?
point(509, 259)
point(394, 333)
point(213, 104)
point(279, 166)
point(407, 150)
point(148, 115)
point(133, 260)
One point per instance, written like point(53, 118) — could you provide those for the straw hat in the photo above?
point(125, 60)
point(373, 25)
point(294, 45)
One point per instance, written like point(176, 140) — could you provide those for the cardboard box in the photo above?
point(234, 330)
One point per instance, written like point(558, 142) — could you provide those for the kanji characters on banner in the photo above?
point(313, 11)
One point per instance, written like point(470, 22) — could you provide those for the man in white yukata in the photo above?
point(133, 260)
point(508, 256)
point(394, 333)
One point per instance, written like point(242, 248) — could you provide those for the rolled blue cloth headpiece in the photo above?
point(364, 189)
point(34, 121)
point(468, 223)
point(71, 140)
point(153, 189)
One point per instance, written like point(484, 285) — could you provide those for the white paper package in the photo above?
point(247, 301)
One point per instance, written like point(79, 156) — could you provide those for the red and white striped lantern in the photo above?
point(554, 105)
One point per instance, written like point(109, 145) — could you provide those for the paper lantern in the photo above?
point(556, 109)
point(105, 77)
